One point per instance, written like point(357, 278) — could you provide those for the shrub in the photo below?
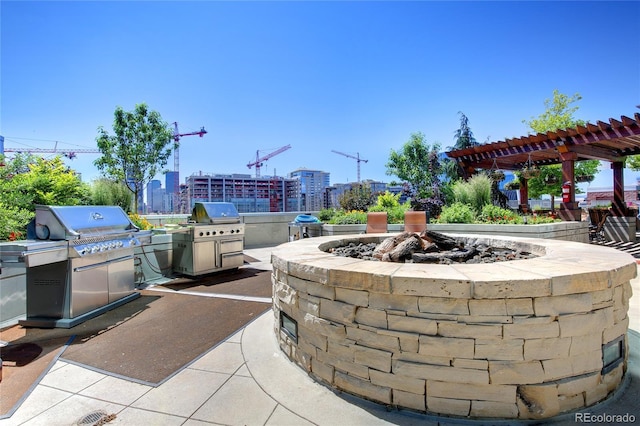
point(390, 204)
point(140, 222)
point(387, 200)
point(325, 215)
point(475, 192)
point(13, 222)
point(349, 218)
point(457, 213)
point(495, 214)
point(540, 219)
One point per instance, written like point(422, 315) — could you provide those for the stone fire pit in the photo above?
point(524, 339)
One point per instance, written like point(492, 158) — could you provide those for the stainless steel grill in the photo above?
point(79, 263)
point(215, 241)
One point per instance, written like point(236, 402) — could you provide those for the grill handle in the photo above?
point(99, 264)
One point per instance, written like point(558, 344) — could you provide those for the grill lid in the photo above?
point(215, 213)
point(70, 222)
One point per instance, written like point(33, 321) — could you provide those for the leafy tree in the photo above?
point(358, 198)
point(106, 192)
point(28, 180)
point(419, 165)
point(142, 144)
point(414, 163)
point(51, 182)
point(47, 182)
point(557, 115)
point(633, 162)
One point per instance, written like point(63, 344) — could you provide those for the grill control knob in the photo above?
point(201, 233)
point(221, 232)
point(213, 232)
point(232, 231)
point(208, 233)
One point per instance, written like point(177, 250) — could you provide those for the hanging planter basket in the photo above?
point(584, 178)
point(514, 184)
point(496, 175)
point(530, 172)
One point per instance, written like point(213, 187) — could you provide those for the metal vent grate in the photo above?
point(91, 418)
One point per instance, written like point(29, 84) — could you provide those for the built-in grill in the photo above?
point(79, 262)
point(213, 242)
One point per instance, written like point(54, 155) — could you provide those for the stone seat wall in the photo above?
point(520, 339)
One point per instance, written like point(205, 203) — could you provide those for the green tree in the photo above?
point(464, 139)
point(142, 145)
point(358, 198)
point(557, 115)
point(106, 192)
point(47, 181)
point(633, 162)
point(418, 165)
point(414, 163)
point(464, 136)
point(28, 180)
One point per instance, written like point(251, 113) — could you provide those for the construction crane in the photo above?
point(259, 160)
point(70, 154)
point(357, 157)
point(176, 160)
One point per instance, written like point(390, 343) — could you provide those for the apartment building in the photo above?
point(249, 194)
point(312, 188)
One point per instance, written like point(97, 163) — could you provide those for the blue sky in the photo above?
point(356, 77)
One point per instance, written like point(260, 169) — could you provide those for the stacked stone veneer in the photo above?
point(520, 339)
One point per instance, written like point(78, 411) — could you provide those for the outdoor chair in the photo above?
point(415, 221)
point(376, 222)
point(598, 218)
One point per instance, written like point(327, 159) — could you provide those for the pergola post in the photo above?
point(619, 206)
point(569, 211)
point(524, 195)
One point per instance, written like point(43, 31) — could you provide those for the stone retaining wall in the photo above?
point(521, 339)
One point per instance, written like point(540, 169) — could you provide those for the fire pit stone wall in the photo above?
point(524, 339)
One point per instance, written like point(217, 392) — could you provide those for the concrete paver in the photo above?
point(184, 393)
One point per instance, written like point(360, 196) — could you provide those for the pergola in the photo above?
point(610, 142)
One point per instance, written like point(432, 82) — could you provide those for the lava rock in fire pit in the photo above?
point(429, 247)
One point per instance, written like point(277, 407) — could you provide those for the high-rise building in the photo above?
point(249, 194)
point(155, 195)
point(171, 183)
point(312, 188)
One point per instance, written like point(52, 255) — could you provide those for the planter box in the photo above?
point(620, 229)
point(567, 231)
